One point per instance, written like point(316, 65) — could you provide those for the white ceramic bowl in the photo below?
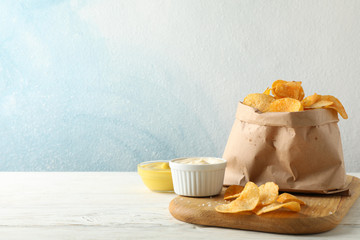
point(197, 180)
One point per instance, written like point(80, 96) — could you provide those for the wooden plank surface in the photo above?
point(112, 205)
point(321, 213)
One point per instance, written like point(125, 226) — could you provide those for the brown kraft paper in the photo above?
point(299, 151)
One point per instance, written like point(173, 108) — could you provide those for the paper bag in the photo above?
point(299, 151)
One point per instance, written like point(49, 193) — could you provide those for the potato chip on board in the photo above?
point(268, 193)
point(285, 89)
point(336, 105)
point(287, 197)
point(260, 101)
point(233, 191)
point(320, 104)
point(293, 206)
point(286, 105)
point(247, 201)
point(310, 100)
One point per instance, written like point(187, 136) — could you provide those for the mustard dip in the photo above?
point(156, 175)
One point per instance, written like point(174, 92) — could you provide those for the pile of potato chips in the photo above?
point(289, 97)
point(258, 200)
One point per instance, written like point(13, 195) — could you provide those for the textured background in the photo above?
point(104, 85)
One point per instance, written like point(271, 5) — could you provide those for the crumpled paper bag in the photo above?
point(299, 151)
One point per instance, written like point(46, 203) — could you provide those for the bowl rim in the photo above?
point(139, 166)
point(180, 166)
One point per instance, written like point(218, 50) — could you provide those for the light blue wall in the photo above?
point(104, 85)
point(69, 101)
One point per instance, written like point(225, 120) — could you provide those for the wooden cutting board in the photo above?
point(321, 213)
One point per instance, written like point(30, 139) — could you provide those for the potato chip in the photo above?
point(287, 197)
point(268, 193)
point(336, 105)
point(267, 91)
point(293, 206)
point(285, 105)
point(310, 100)
point(233, 191)
point(277, 83)
point(320, 104)
point(285, 89)
point(259, 200)
point(260, 101)
point(282, 89)
point(247, 201)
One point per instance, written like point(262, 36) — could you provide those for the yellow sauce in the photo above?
point(156, 165)
point(156, 176)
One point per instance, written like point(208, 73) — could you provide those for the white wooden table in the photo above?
point(112, 205)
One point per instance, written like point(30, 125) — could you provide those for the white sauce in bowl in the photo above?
point(199, 161)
